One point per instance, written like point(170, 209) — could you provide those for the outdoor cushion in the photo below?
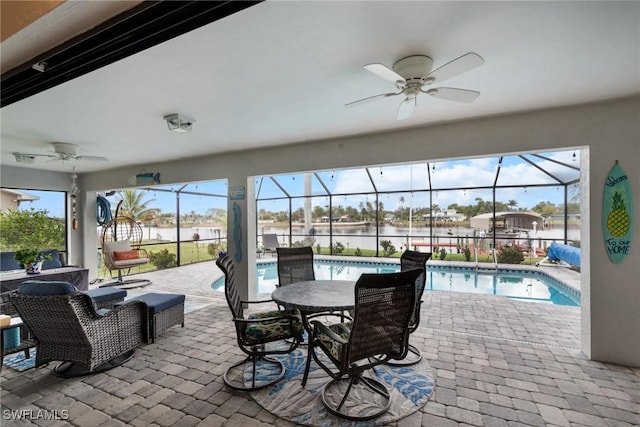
point(335, 348)
point(119, 246)
point(125, 255)
point(9, 262)
point(100, 295)
point(54, 262)
point(259, 332)
point(159, 302)
point(42, 287)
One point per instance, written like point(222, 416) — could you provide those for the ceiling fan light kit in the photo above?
point(414, 73)
point(179, 124)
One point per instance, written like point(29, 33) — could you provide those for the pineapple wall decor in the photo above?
point(617, 214)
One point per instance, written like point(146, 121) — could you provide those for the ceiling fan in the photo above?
point(413, 75)
point(62, 151)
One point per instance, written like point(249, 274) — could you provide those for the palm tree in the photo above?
point(133, 206)
point(512, 205)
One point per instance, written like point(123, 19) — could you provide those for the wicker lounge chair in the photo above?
point(67, 328)
point(254, 332)
point(379, 332)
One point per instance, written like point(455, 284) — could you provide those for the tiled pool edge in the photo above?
point(568, 280)
point(547, 272)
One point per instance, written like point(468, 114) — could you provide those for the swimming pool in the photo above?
point(516, 284)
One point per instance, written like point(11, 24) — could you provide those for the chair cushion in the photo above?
point(54, 262)
point(271, 330)
point(42, 287)
point(101, 295)
point(159, 302)
point(119, 246)
point(125, 255)
point(335, 348)
point(9, 262)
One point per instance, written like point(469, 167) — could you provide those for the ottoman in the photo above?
point(106, 297)
point(165, 311)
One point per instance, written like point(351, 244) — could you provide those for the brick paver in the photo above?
point(495, 361)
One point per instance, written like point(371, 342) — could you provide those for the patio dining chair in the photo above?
point(410, 260)
point(379, 332)
point(259, 335)
point(295, 265)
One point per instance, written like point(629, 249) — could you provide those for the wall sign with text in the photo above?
point(617, 214)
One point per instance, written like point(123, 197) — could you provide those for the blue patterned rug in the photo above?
point(18, 362)
point(410, 387)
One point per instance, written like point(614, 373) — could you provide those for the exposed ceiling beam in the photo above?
point(130, 32)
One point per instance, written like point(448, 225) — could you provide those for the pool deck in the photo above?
point(496, 362)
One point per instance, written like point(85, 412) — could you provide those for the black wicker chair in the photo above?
point(255, 333)
point(67, 328)
point(295, 265)
point(379, 332)
point(408, 261)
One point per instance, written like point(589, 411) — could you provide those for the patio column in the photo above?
point(241, 233)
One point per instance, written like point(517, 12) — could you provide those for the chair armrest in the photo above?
point(284, 316)
point(319, 325)
point(257, 302)
point(128, 320)
point(142, 253)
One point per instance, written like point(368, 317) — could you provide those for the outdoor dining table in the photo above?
point(316, 296)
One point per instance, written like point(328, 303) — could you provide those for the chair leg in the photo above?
point(308, 364)
point(70, 369)
point(413, 356)
point(235, 375)
point(357, 405)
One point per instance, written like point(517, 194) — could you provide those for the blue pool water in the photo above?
point(520, 285)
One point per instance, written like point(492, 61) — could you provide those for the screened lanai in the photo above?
point(382, 209)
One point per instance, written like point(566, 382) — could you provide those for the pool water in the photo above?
point(520, 285)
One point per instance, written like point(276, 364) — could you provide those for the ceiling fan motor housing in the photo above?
point(65, 148)
point(414, 69)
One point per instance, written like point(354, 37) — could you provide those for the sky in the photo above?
point(446, 174)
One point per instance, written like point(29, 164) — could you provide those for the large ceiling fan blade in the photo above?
point(371, 98)
point(405, 110)
point(93, 158)
point(453, 94)
point(459, 65)
point(33, 155)
point(386, 73)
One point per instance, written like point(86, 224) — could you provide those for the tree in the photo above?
point(401, 206)
point(32, 229)
point(133, 206)
point(512, 204)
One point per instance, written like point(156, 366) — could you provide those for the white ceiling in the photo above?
point(281, 72)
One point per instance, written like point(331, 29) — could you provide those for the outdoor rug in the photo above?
point(410, 387)
point(18, 362)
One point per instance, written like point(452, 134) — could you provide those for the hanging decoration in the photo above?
point(74, 196)
point(617, 214)
point(145, 178)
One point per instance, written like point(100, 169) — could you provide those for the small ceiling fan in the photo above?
point(413, 75)
point(62, 151)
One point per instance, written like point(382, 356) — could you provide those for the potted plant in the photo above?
point(31, 259)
